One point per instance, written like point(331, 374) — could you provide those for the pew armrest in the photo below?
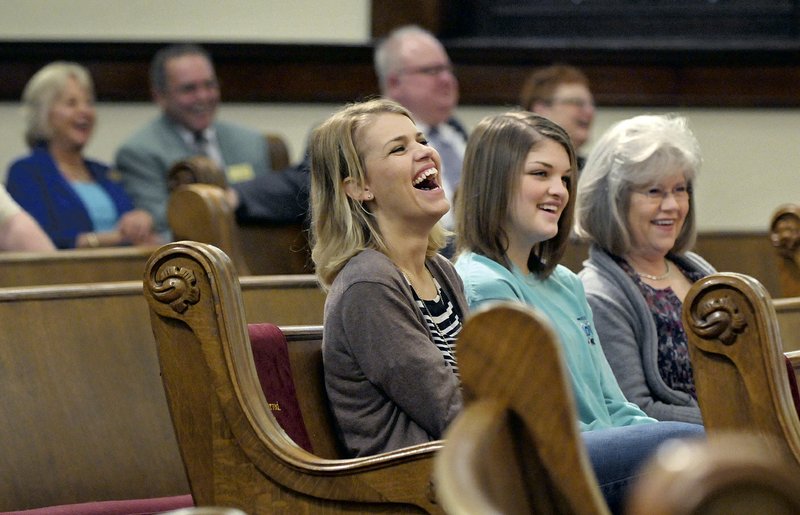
point(740, 370)
point(235, 452)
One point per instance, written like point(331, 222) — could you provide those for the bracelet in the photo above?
point(92, 239)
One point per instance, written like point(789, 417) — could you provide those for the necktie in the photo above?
point(200, 143)
point(204, 146)
point(451, 159)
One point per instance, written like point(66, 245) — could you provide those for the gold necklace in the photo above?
point(655, 277)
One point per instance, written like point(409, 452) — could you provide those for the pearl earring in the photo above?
point(369, 196)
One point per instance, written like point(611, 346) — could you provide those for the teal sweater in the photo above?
point(562, 300)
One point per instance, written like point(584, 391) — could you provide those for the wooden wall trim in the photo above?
point(761, 74)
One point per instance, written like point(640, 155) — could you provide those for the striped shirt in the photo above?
point(444, 323)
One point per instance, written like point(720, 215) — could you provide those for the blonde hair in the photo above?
point(41, 92)
point(341, 226)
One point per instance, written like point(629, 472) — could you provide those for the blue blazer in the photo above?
point(36, 184)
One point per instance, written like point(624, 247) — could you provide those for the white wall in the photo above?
point(750, 155)
point(340, 21)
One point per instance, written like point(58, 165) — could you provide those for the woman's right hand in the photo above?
point(136, 227)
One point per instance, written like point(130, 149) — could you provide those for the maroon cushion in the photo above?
point(125, 507)
point(271, 355)
point(793, 385)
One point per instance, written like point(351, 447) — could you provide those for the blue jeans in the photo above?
point(617, 453)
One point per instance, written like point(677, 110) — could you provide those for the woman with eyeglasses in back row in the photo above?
point(635, 205)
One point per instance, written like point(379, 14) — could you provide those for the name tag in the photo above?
point(240, 172)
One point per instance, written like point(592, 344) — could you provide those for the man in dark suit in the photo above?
point(414, 69)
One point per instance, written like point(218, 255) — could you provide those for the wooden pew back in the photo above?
point(739, 367)
point(785, 238)
point(199, 212)
point(515, 449)
point(72, 266)
point(85, 417)
point(235, 452)
point(305, 355)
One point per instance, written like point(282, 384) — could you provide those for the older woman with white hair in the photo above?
point(635, 204)
point(76, 200)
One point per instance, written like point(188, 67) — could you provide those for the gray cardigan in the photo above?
point(387, 383)
point(629, 338)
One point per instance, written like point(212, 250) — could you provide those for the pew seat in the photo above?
point(198, 211)
point(234, 450)
point(84, 415)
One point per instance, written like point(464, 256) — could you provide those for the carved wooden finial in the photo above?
point(177, 287)
point(785, 230)
point(718, 318)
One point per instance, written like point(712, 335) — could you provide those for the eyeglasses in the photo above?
point(658, 194)
point(431, 71)
point(580, 103)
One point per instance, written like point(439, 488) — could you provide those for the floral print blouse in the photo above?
point(673, 348)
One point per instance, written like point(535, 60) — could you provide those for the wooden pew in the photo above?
point(73, 266)
point(83, 408)
point(728, 474)
point(502, 455)
point(202, 214)
point(199, 212)
point(740, 369)
point(514, 449)
point(785, 238)
point(235, 452)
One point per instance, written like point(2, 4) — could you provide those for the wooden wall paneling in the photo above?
point(654, 73)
